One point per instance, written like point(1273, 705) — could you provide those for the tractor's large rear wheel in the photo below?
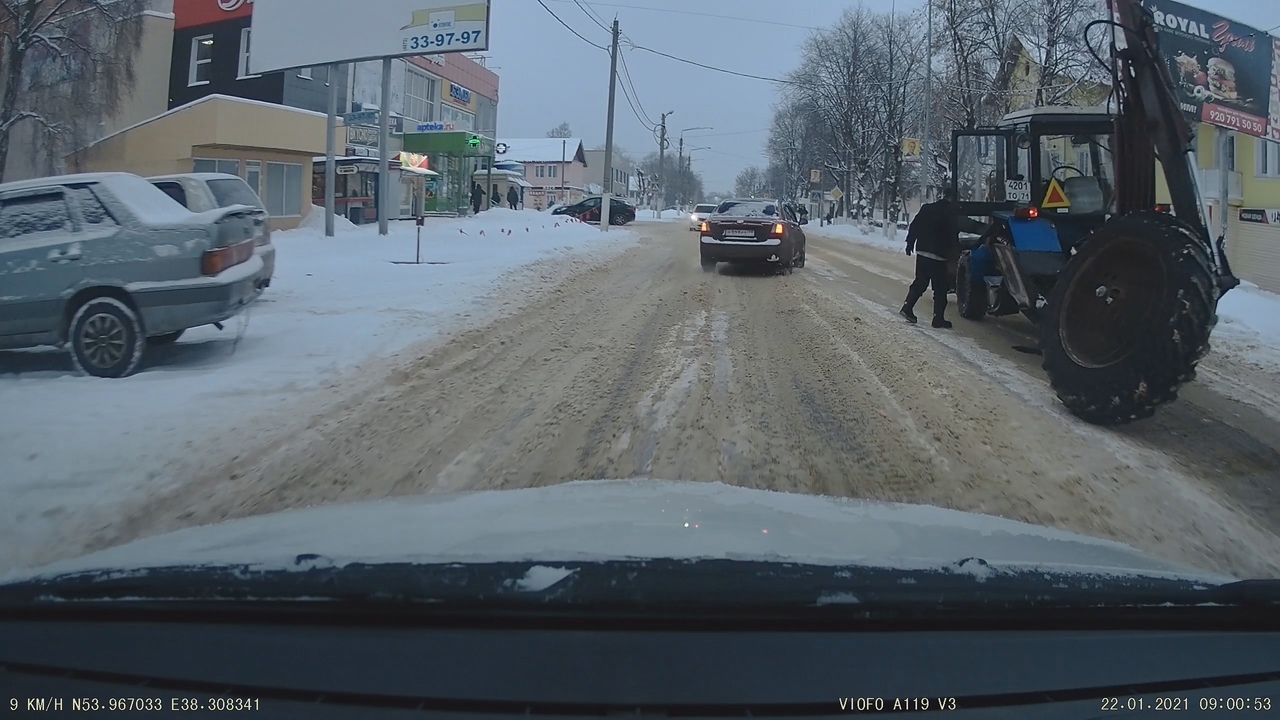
point(1129, 318)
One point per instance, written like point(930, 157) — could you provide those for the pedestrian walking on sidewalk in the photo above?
point(477, 197)
point(513, 197)
point(934, 236)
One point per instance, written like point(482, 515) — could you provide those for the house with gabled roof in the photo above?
point(555, 168)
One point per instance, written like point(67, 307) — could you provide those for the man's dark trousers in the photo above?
point(930, 272)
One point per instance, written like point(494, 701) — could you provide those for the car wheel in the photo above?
point(800, 260)
point(106, 338)
point(165, 339)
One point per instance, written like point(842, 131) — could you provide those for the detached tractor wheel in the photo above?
point(1129, 318)
point(971, 299)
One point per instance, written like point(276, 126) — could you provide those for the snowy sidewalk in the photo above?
point(69, 444)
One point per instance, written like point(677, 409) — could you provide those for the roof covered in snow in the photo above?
point(543, 150)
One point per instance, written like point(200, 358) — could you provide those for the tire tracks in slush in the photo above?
point(646, 366)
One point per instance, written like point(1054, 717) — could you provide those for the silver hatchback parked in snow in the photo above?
point(201, 192)
point(106, 264)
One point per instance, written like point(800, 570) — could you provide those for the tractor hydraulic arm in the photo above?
point(1150, 125)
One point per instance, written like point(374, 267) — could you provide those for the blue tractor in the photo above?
point(1124, 293)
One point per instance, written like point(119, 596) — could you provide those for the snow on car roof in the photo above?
point(60, 180)
point(147, 202)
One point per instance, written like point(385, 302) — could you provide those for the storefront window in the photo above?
point(216, 165)
point(284, 189)
point(420, 91)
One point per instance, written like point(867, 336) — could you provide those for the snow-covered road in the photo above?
point(614, 355)
point(75, 447)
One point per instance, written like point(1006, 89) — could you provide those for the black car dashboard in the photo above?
point(203, 669)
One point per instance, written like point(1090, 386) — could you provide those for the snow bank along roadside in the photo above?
point(1248, 317)
point(337, 307)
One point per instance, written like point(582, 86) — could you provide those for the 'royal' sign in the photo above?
point(195, 13)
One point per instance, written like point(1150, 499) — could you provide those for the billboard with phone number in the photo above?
point(1225, 72)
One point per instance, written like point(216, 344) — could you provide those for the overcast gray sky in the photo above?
point(549, 76)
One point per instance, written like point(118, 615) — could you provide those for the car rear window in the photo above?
point(233, 192)
point(704, 208)
point(35, 213)
point(744, 208)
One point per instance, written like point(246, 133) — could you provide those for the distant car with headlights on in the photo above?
point(751, 230)
point(700, 213)
point(106, 264)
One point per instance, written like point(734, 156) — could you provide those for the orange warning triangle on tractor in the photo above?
point(1054, 197)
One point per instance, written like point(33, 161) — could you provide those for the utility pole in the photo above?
point(662, 173)
point(330, 144)
point(926, 159)
point(606, 201)
point(679, 178)
point(384, 151)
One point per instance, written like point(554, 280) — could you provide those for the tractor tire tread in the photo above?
point(1152, 374)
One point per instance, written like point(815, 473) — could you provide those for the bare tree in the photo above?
point(794, 146)
point(68, 65)
point(560, 131)
point(750, 182)
point(838, 79)
point(901, 61)
point(1055, 36)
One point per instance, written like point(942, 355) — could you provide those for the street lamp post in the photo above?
point(689, 168)
point(680, 163)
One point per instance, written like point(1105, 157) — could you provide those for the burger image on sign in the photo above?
point(1222, 79)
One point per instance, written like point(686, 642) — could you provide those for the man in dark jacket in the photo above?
point(513, 197)
point(477, 197)
point(934, 235)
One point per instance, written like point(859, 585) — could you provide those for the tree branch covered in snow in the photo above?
point(68, 66)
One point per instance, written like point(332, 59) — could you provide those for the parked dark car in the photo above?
point(751, 230)
point(588, 210)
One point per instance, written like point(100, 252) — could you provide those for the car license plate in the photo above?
point(740, 233)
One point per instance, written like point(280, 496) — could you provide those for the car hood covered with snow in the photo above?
point(627, 520)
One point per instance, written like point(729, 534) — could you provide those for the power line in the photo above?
point(566, 25)
point(723, 134)
point(626, 74)
point(696, 14)
point(590, 16)
point(633, 103)
point(711, 67)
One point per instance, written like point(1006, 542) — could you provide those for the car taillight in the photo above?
point(777, 229)
point(705, 227)
point(1027, 213)
point(216, 261)
point(1162, 208)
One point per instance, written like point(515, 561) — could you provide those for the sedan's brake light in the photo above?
point(777, 229)
point(216, 261)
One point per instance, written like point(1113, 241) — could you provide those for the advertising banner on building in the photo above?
point(305, 33)
point(1223, 69)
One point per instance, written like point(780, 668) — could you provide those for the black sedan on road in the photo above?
point(588, 210)
point(753, 231)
